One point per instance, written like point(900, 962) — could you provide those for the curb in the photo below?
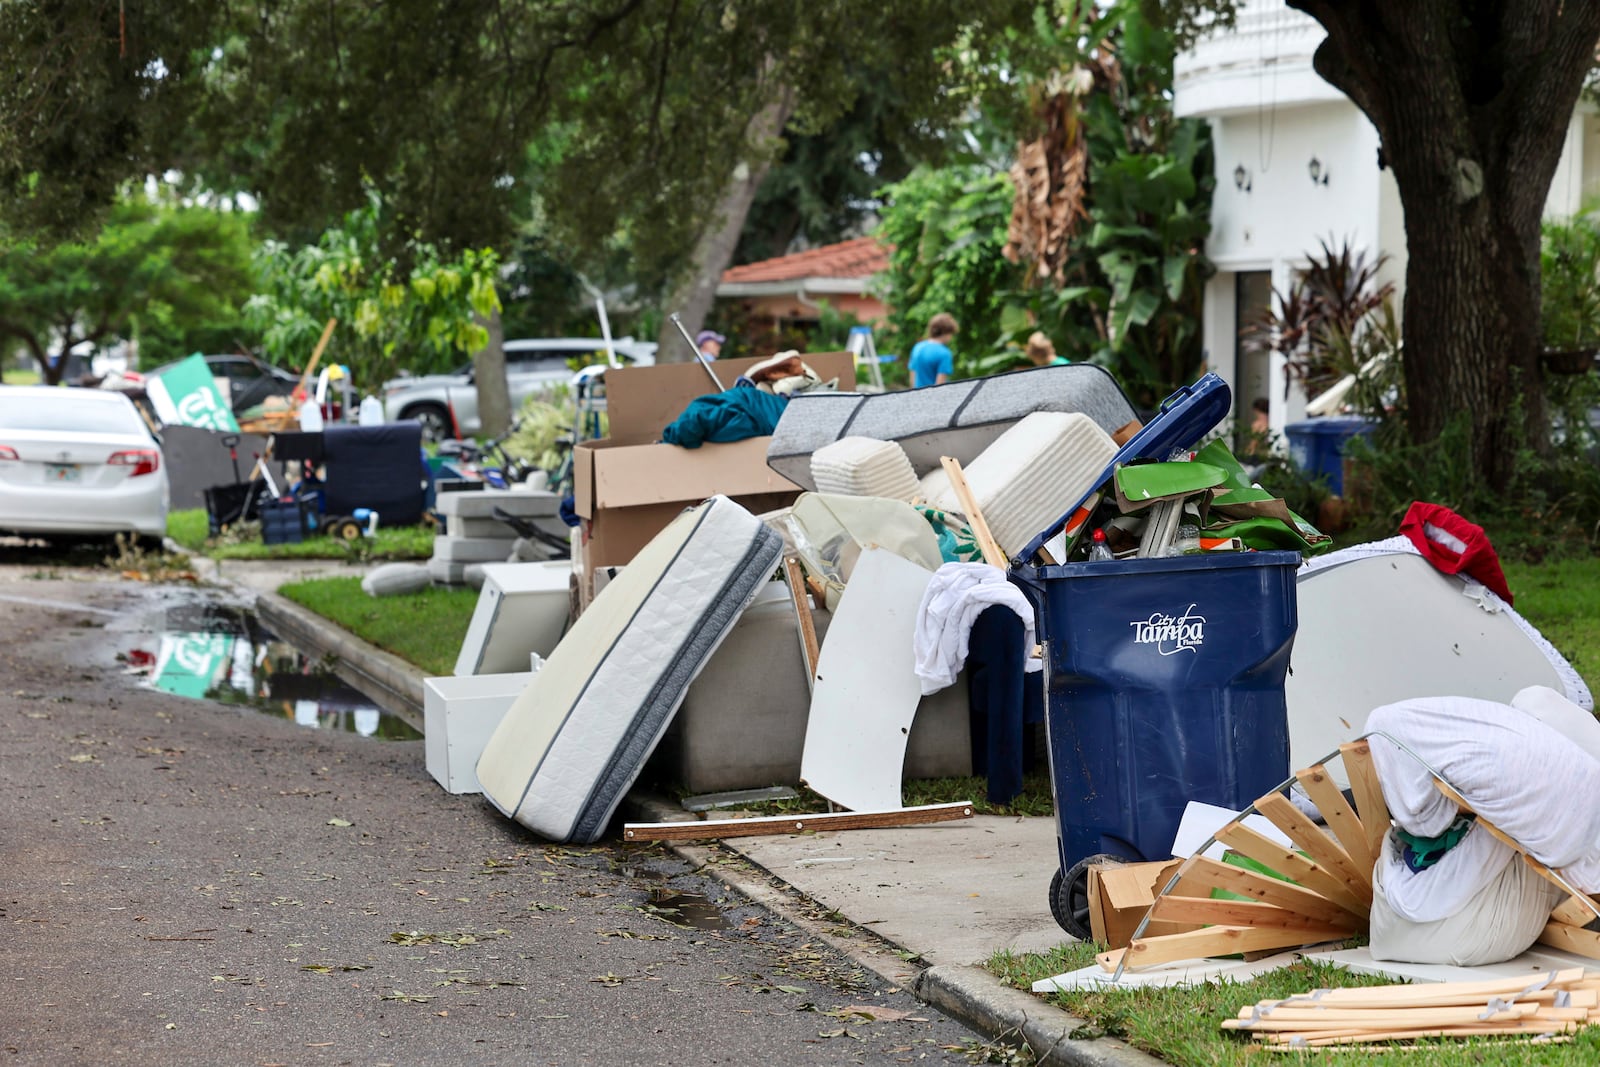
point(394, 684)
point(970, 995)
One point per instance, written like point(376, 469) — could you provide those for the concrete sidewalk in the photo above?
point(947, 896)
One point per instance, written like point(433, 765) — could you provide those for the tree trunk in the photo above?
point(720, 235)
point(1472, 110)
point(489, 375)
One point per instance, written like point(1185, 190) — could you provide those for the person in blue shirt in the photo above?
point(931, 360)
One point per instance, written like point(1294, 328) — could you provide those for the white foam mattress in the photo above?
point(1033, 472)
point(572, 744)
point(864, 466)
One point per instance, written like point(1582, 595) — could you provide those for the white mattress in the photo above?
point(864, 466)
point(572, 744)
point(1033, 472)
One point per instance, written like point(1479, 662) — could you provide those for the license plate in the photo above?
point(61, 472)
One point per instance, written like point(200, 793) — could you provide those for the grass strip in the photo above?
point(1184, 1026)
point(190, 529)
point(423, 628)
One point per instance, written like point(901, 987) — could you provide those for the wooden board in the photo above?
point(1573, 939)
point(1322, 849)
point(1371, 808)
point(1212, 912)
point(867, 690)
point(1281, 894)
point(1213, 941)
point(1340, 817)
point(1294, 866)
point(771, 825)
point(805, 622)
point(992, 553)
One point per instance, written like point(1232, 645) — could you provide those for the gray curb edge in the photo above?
point(970, 995)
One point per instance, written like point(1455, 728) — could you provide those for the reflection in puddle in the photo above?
point(215, 652)
point(687, 909)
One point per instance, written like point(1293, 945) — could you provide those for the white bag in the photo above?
point(1500, 921)
point(829, 533)
point(396, 579)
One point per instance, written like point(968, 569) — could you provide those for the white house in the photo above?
point(1297, 162)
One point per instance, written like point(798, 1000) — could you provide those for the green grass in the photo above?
point(12, 376)
point(1561, 597)
point(1184, 1026)
point(423, 628)
point(190, 529)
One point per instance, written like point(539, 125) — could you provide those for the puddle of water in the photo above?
point(687, 909)
point(203, 650)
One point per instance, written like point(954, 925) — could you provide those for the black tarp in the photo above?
point(377, 467)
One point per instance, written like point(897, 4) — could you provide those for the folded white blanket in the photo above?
point(953, 601)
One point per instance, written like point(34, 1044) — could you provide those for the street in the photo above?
point(188, 882)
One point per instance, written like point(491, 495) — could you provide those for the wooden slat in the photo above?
point(1574, 939)
point(1254, 914)
point(1334, 1019)
point(1214, 875)
point(1324, 851)
point(1340, 817)
point(1375, 1037)
point(1288, 862)
point(1213, 941)
point(992, 553)
point(1575, 911)
point(1437, 994)
point(1370, 805)
point(794, 824)
point(807, 625)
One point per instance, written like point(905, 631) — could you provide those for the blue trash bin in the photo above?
point(1163, 677)
point(1163, 684)
point(1317, 446)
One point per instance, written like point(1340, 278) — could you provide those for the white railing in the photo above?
point(1268, 40)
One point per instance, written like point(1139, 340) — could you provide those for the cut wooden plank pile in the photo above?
point(1541, 1009)
point(1329, 893)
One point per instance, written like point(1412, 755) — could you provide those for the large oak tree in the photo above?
point(1471, 100)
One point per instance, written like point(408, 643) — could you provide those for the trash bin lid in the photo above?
point(1185, 417)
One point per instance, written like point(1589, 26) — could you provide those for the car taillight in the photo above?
point(7, 452)
point(142, 460)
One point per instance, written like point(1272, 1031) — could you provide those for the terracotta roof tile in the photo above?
point(858, 258)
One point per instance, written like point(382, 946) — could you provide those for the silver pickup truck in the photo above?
point(531, 366)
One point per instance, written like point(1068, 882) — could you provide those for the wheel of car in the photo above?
point(435, 420)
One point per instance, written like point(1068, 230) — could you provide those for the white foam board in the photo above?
point(867, 690)
point(1530, 964)
point(522, 608)
point(458, 717)
point(1200, 821)
point(1386, 628)
point(1182, 973)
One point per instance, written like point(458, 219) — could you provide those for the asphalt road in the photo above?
point(183, 882)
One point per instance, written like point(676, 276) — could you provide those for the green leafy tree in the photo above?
point(423, 316)
point(172, 275)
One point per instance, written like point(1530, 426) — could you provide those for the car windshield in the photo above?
point(72, 411)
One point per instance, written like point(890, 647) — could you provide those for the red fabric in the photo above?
point(1436, 530)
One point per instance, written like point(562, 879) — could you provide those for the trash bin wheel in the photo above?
point(347, 530)
point(1069, 896)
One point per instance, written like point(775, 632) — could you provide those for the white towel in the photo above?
point(953, 601)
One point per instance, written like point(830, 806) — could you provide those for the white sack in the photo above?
point(830, 532)
point(396, 579)
point(1531, 781)
point(1500, 920)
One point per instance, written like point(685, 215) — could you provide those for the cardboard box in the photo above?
point(1119, 895)
point(628, 487)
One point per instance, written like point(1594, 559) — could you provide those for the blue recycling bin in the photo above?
point(1163, 684)
point(1317, 446)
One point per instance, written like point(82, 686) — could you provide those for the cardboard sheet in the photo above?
point(1185, 973)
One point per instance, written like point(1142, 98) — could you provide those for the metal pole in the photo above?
point(698, 355)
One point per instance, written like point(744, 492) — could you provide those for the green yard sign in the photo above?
point(187, 395)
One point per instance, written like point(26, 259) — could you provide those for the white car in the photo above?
point(448, 403)
point(77, 462)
